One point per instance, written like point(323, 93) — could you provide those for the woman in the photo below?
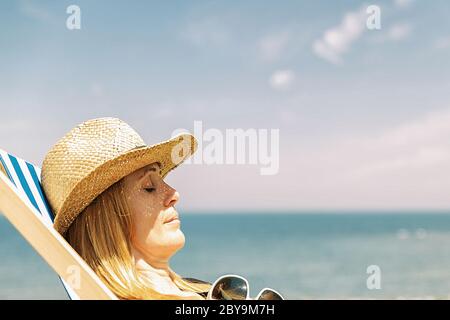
point(107, 190)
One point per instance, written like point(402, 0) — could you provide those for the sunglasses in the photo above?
point(233, 287)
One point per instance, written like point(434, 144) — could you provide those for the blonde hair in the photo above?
point(101, 235)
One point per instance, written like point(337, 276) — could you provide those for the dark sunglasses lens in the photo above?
point(269, 295)
point(230, 288)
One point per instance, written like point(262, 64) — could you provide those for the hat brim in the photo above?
point(170, 154)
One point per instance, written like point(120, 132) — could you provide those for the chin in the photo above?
point(178, 240)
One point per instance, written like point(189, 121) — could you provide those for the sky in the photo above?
point(363, 115)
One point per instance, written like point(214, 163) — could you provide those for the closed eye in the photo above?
point(150, 190)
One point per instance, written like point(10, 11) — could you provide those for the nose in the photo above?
point(172, 197)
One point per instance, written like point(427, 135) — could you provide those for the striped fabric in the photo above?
point(26, 178)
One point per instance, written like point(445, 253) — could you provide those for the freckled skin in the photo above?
point(153, 241)
point(151, 237)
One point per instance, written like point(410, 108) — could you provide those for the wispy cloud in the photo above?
point(442, 43)
point(208, 32)
point(282, 79)
point(403, 3)
point(272, 46)
point(405, 166)
point(418, 144)
point(396, 32)
point(32, 10)
point(399, 31)
point(337, 40)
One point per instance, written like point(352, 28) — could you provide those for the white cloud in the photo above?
point(208, 32)
point(421, 158)
point(30, 9)
point(399, 31)
point(421, 143)
point(432, 128)
point(272, 46)
point(442, 43)
point(412, 151)
point(396, 32)
point(406, 166)
point(282, 79)
point(337, 40)
point(403, 3)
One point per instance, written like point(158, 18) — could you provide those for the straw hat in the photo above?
point(96, 154)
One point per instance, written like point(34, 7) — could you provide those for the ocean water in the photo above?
point(303, 256)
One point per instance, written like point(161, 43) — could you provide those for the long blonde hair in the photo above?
point(101, 235)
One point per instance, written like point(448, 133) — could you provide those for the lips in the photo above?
point(171, 218)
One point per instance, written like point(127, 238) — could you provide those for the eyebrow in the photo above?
point(148, 170)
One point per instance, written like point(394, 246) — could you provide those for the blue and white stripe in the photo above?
point(26, 178)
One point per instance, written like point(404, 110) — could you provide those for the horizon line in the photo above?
point(314, 211)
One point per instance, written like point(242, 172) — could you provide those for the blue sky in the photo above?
point(364, 123)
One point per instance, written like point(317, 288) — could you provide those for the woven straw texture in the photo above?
point(96, 154)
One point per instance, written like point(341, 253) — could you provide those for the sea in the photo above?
point(316, 255)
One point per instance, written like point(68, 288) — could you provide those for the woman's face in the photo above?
point(156, 227)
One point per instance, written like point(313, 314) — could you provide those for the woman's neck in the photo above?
point(151, 266)
point(158, 272)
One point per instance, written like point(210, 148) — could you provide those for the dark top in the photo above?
point(203, 294)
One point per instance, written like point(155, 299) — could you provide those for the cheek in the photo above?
point(149, 232)
point(144, 224)
point(142, 203)
point(144, 214)
point(161, 236)
point(157, 238)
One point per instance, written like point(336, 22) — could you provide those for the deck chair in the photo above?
point(23, 203)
